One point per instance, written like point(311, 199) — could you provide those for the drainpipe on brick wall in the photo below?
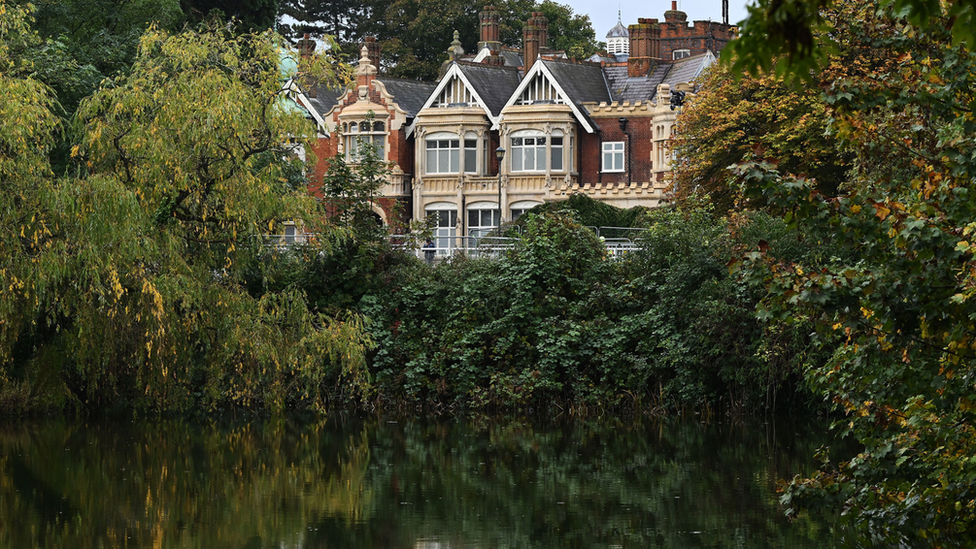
point(623, 128)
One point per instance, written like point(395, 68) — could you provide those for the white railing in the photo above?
point(480, 244)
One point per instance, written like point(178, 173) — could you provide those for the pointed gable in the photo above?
point(541, 90)
point(475, 85)
point(563, 83)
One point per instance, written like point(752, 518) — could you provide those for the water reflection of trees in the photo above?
point(374, 483)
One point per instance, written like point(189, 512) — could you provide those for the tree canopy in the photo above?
point(895, 305)
point(415, 34)
point(737, 117)
point(125, 282)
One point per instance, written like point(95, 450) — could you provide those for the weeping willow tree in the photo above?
point(124, 285)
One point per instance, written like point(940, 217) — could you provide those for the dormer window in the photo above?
point(680, 54)
point(362, 132)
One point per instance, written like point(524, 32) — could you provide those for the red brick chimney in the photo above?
point(489, 29)
point(373, 50)
point(542, 24)
point(645, 46)
point(306, 46)
point(674, 15)
point(530, 39)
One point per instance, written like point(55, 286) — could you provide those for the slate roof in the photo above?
point(492, 83)
point(581, 81)
point(325, 98)
point(410, 95)
point(688, 69)
point(644, 88)
point(512, 58)
point(632, 89)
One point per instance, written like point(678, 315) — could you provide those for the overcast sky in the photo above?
point(603, 13)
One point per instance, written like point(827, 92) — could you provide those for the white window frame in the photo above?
point(680, 54)
point(521, 207)
point(469, 152)
point(442, 146)
point(613, 153)
point(522, 151)
point(485, 211)
point(557, 152)
point(445, 231)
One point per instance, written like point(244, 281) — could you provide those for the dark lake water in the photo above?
point(377, 483)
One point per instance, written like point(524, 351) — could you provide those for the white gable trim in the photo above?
point(296, 94)
point(540, 69)
point(454, 71)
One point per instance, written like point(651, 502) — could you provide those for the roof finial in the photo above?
point(455, 51)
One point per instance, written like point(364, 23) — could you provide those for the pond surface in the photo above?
point(377, 483)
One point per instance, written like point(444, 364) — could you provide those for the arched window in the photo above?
point(519, 208)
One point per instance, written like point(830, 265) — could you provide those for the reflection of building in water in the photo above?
point(517, 128)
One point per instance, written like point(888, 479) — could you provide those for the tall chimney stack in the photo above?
point(373, 50)
point(542, 25)
point(645, 46)
point(530, 38)
point(489, 29)
point(306, 46)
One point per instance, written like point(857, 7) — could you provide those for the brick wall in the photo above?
point(637, 157)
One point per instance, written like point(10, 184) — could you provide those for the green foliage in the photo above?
point(899, 299)
point(735, 117)
point(415, 34)
point(793, 38)
point(557, 321)
point(592, 213)
point(247, 15)
point(568, 31)
point(125, 286)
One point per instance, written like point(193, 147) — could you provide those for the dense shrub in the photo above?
point(557, 322)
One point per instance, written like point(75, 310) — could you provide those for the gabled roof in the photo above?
point(410, 95)
point(314, 107)
point(490, 85)
point(493, 84)
point(575, 82)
